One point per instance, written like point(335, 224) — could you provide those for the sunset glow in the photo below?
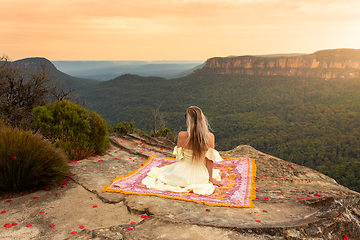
point(174, 29)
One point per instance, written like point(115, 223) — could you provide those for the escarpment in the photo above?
point(336, 63)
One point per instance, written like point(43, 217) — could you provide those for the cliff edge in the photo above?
point(333, 63)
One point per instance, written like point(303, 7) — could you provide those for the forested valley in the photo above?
point(309, 121)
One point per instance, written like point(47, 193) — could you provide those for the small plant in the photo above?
point(72, 128)
point(124, 128)
point(166, 133)
point(27, 161)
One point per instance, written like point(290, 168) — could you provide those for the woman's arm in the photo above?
point(210, 164)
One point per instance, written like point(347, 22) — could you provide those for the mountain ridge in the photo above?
point(331, 63)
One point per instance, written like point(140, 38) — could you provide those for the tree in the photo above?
point(21, 90)
point(155, 119)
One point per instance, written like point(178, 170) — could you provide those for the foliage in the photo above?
point(72, 128)
point(123, 128)
point(27, 161)
point(164, 132)
point(22, 90)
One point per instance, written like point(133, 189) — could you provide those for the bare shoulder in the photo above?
point(183, 134)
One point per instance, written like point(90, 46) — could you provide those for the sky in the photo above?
point(174, 29)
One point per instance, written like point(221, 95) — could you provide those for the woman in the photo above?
point(196, 154)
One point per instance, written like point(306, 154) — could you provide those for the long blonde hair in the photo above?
point(198, 131)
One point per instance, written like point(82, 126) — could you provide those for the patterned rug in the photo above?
point(237, 174)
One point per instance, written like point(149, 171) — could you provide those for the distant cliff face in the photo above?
point(337, 63)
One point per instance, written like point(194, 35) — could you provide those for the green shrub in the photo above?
point(164, 132)
point(124, 128)
point(72, 128)
point(27, 161)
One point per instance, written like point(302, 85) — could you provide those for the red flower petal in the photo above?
point(346, 238)
point(144, 216)
point(3, 211)
point(120, 149)
point(52, 225)
point(257, 221)
point(129, 158)
point(279, 189)
point(129, 228)
point(8, 225)
point(14, 224)
point(75, 161)
point(296, 189)
point(116, 158)
point(57, 193)
point(29, 225)
point(132, 223)
point(149, 150)
point(23, 194)
point(308, 195)
point(62, 186)
point(81, 227)
point(101, 160)
point(109, 151)
point(266, 197)
point(257, 198)
point(170, 147)
point(292, 167)
point(299, 198)
point(74, 232)
point(142, 165)
point(265, 175)
point(95, 206)
point(280, 193)
point(257, 188)
point(260, 175)
point(278, 177)
point(141, 143)
point(119, 161)
point(133, 160)
point(208, 210)
point(101, 154)
point(36, 197)
point(47, 189)
point(142, 158)
point(8, 200)
point(84, 170)
point(15, 157)
point(161, 149)
point(318, 195)
point(265, 211)
point(141, 152)
point(42, 212)
point(31, 191)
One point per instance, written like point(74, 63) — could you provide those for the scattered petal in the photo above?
point(95, 206)
point(265, 211)
point(257, 221)
point(101, 160)
point(278, 177)
point(308, 195)
point(257, 188)
point(257, 198)
point(62, 186)
point(292, 167)
point(57, 193)
point(14, 224)
point(141, 143)
point(120, 149)
point(42, 212)
point(279, 189)
point(132, 223)
point(299, 198)
point(142, 158)
point(117, 158)
point(81, 227)
point(129, 158)
point(23, 194)
point(8, 225)
point(129, 228)
point(208, 210)
point(133, 160)
point(109, 151)
point(141, 152)
point(318, 195)
point(265, 175)
point(29, 225)
point(47, 189)
point(8, 200)
point(74, 232)
point(84, 170)
point(261, 176)
point(15, 157)
point(280, 193)
point(75, 161)
point(144, 216)
point(3, 211)
point(36, 197)
point(296, 189)
point(31, 191)
point(170, 147)
point(149, 150)
point(119, 161)
point(346, 237)
point(52, 225)
point(161, 149)
point(266, 197)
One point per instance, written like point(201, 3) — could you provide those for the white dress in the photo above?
point(186, 175)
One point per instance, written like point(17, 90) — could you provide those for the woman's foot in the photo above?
point(216, 183)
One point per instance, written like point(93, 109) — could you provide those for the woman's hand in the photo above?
point(216, 183)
